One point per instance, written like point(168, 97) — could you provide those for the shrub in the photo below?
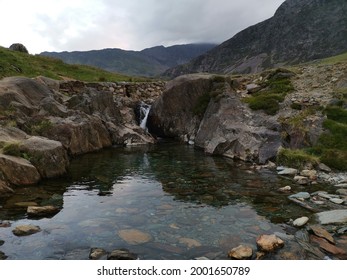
point(12, 149)
point(296, 158)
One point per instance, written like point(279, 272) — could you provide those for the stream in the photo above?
point(172, 200)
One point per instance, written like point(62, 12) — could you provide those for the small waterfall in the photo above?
point(144, 112)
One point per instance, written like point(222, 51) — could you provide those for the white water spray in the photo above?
point(144, 112)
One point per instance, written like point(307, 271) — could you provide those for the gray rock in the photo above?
point(324, 167)
point(344, 185)
point(337, 200)
point(18, 171)
point(288, 171)
point(332, 217)
point(300, 195)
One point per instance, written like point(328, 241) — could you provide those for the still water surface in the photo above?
point(188, 204)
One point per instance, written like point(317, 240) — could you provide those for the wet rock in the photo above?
point(324, 167)
point(301, 180)
point(326, 246)
point(321, 232)
point(121, 254)
point(285, 189)
point(300, 195)
point(39, 211)
point(288, 171)
point(189, 242)
point(134, 236)
point(3, 256)
point(241, 252)
point(2, 242)
point(269, 243)
point(48, 156)
point(96, 253)
point(332, 217)
point(300, 221)
point(344, 185)
point(25, 204)
point(18, 171)
point(5, 224)
point(337, 200)
point(25, 230)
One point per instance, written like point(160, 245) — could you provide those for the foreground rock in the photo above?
point(332, 217)
point(96, 253)
point(269, 243)
point(25, 230)
point(241, 252)
point(121, 254)
point(40, 211)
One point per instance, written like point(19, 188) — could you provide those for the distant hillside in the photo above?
point(300, 31)
point(14, 63)
point(148, 62)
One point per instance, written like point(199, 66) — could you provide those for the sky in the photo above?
point(80, 25)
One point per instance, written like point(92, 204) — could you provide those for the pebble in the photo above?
point(300, 221)
point(285, 189)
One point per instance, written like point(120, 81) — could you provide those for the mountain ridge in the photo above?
point(148, 62)
point(299, 31)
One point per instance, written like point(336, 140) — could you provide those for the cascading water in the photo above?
point(144, 111)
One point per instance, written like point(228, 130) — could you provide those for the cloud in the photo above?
point(128, 24)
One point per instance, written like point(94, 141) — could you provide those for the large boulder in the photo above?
point(231, 129)
point(206, 109)
point(18, 171)
point(174, 113)
point(48, 156)
point(18, 47)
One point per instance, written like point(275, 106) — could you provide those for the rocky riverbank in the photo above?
point(44, 122)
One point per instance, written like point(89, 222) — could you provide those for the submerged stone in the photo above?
point(26, 230)
point(241, 252)
point(134, 236)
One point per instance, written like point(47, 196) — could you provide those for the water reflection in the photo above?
point(187, 204)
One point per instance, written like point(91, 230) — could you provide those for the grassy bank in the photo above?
point(14, 63)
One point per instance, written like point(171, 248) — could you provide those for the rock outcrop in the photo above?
point(43, 121)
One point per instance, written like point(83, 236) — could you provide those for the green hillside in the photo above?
point(14, 63)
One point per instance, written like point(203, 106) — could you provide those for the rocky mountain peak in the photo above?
point(299, 31)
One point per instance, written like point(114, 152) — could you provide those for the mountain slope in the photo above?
point(148, 62)
point(300, 30)
point(14, 63)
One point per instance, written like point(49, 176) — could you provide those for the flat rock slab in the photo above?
point(134, 236)
point(39, 211)
point(332, 217)
point(321, 232)
point(25, 230)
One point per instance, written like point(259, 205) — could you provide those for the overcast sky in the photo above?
point(71, 25)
